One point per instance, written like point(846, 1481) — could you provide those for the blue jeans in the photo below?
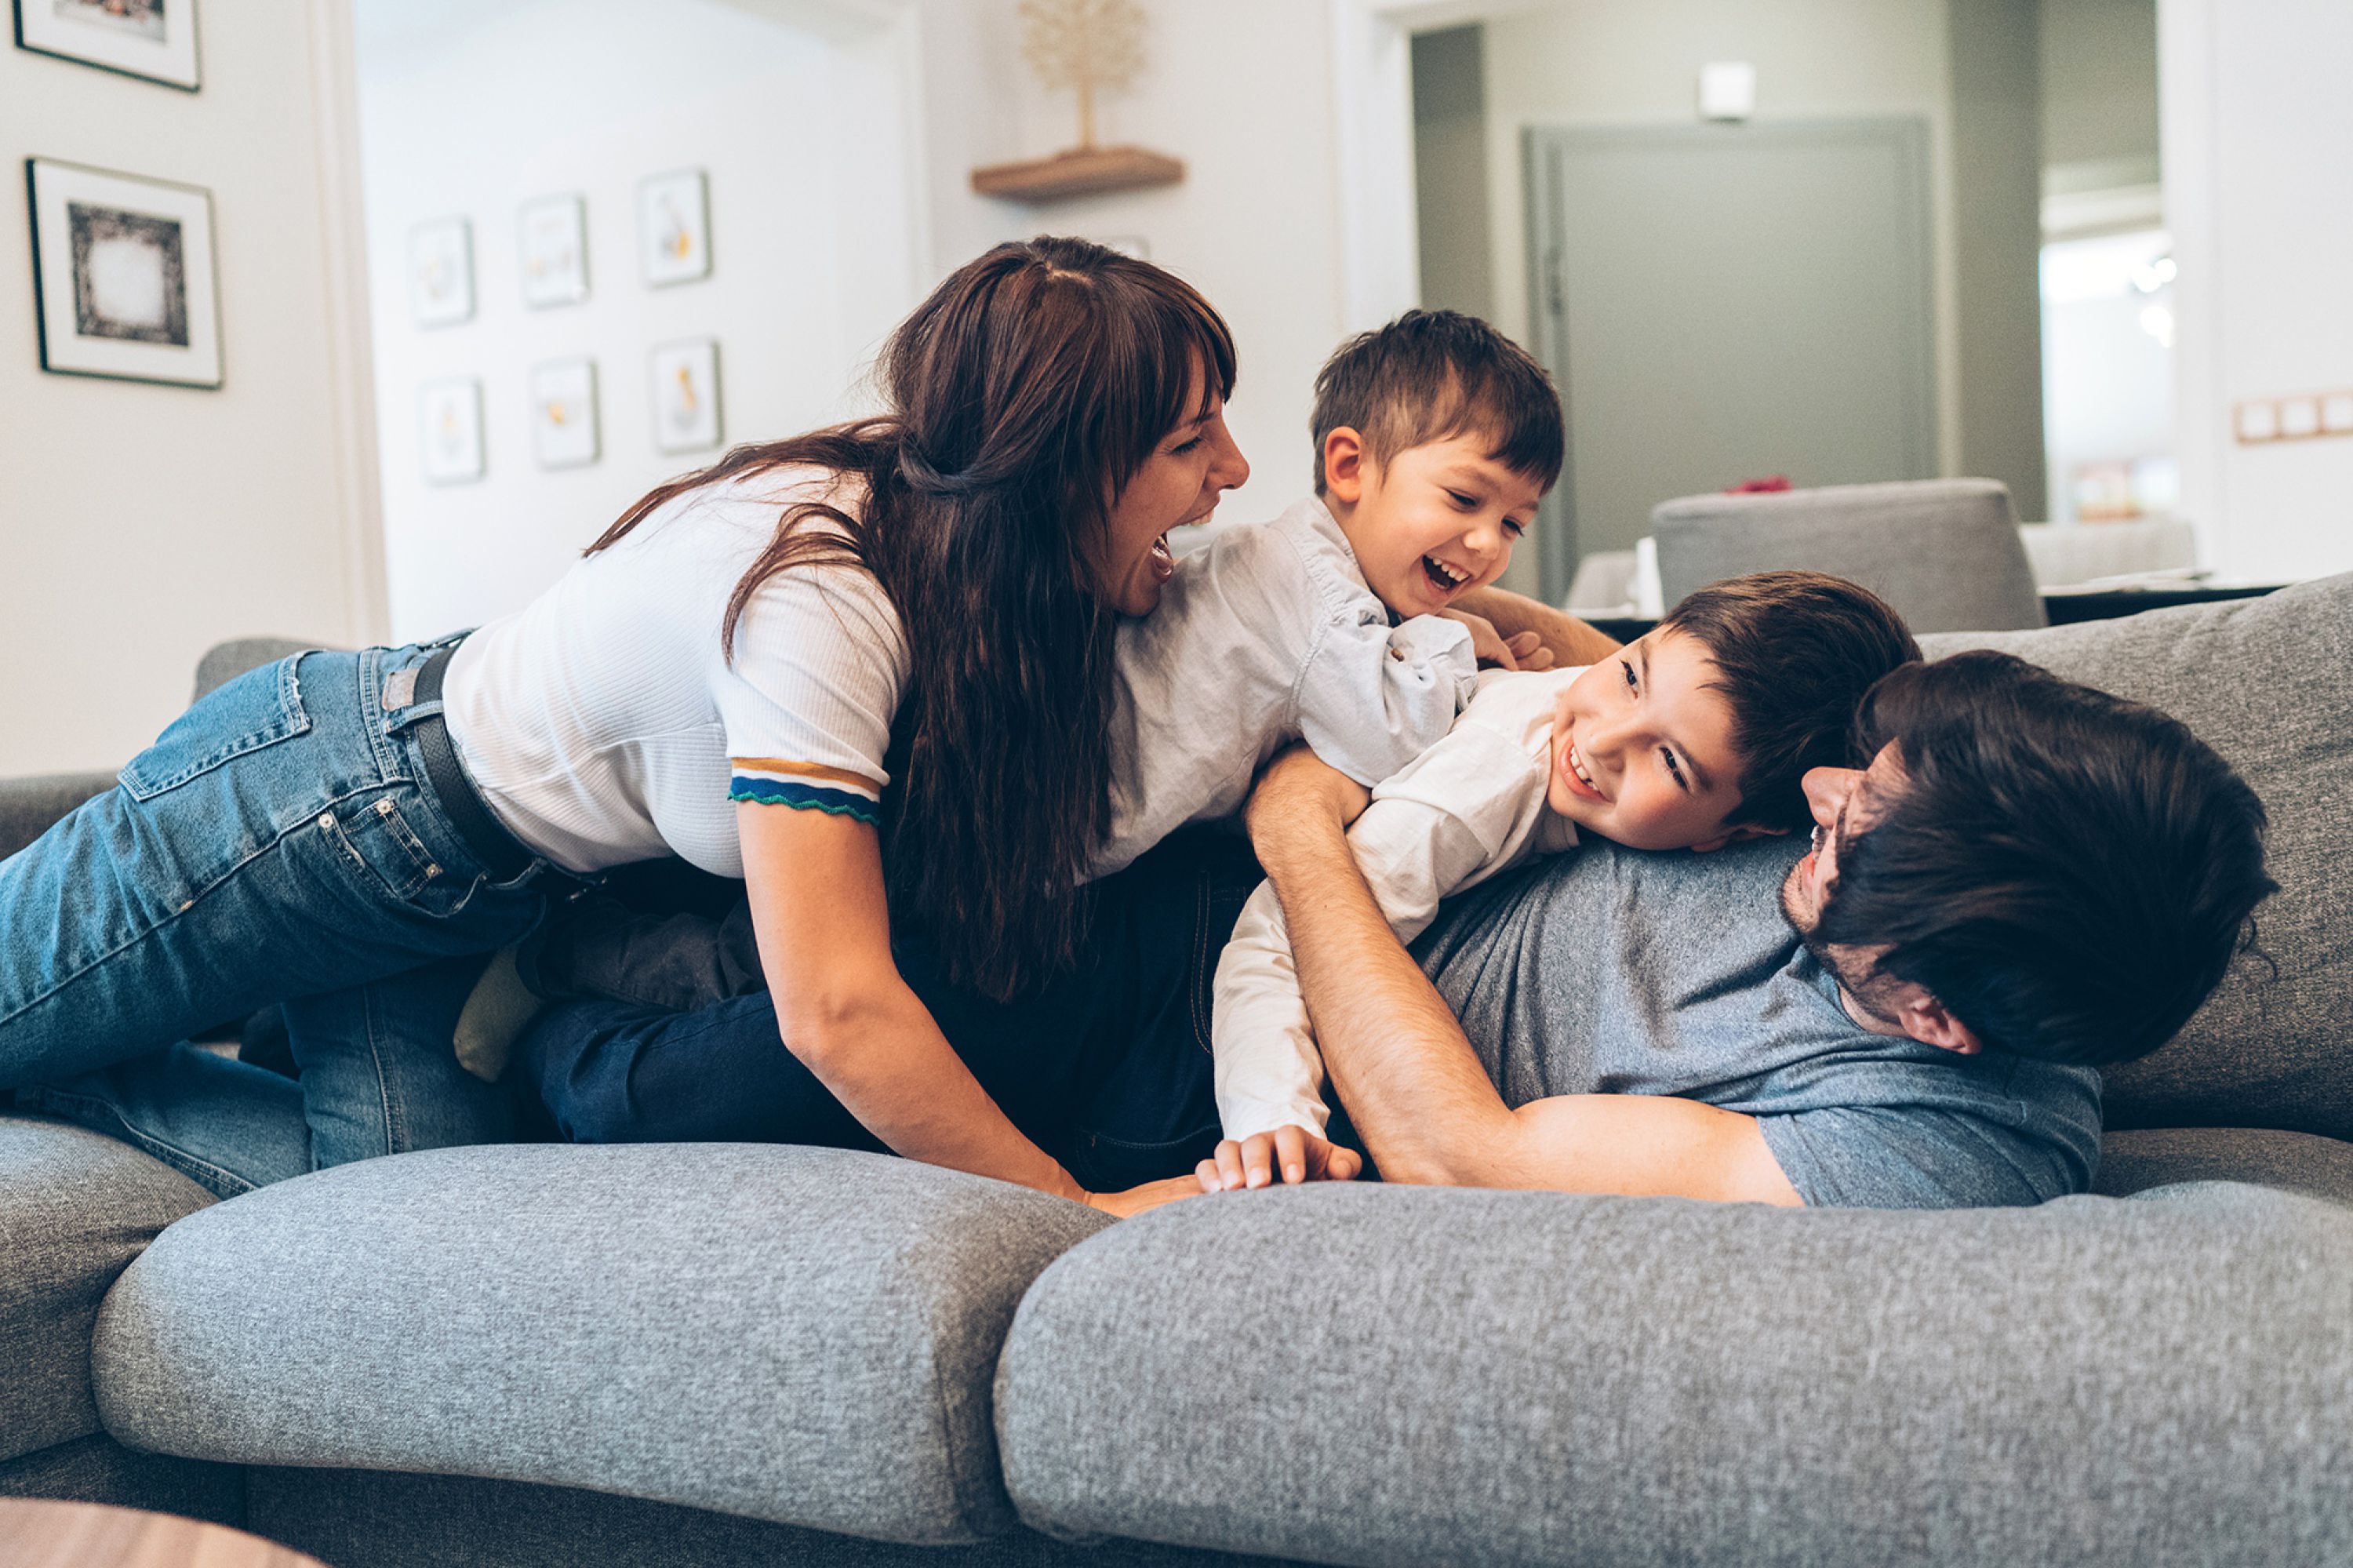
point(278, 843)
point(1107, 1069)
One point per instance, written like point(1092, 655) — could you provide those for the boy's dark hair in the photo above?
point(2067, 872)
point(1430, 375)
point(1794, 653)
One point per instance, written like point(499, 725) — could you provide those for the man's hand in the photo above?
point(1300, 1155)
point(1151, 1195)
point(1300, 788)
point(1495, 650)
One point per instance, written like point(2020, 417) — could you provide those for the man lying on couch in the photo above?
point(2030, 879)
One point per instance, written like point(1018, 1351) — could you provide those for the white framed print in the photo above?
point(449, 430)
point(674, 228)
point(563, 413)
point(686, 396)
point(123, 280)
point(442, 273)
point(554, 251)
point(152, 38)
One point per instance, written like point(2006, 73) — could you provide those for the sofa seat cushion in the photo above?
point(800, 1335)
point(75, 1209)
point(1380, 1374)
point(2153, 1162)
point(2262, 681)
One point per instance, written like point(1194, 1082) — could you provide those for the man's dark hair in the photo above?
point(2067, 872)
point(1794, 653)
point(1431, 375)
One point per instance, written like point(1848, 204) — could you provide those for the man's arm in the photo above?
point(1412, 1085)
point(1572, 641)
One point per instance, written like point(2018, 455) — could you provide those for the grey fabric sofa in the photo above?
point(735, 1354)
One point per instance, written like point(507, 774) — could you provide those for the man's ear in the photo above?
point(1924, 1019)
point(1344, 465)
point(1740, 834)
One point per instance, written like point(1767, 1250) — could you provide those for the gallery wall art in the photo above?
point(449, 430)
point(674, 228)
point(442, 273)
point(685, 396)
point(563, 413)
point(152, 38)
point(124, 278)
point(553, 251)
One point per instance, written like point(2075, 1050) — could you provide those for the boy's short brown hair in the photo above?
point(1794, 653)
point(1430, 375)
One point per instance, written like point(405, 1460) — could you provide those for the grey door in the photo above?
point(1719, 304)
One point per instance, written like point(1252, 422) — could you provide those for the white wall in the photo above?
point(472, 108)
point(141, 524)
point(1243, 91)
point(2259, 195)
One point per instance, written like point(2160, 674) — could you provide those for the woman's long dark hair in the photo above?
point(1024, 395)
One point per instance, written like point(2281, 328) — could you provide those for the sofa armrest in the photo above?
point(1392, 1375)
point(28, 806)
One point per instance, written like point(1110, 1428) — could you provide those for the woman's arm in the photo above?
point(1571, 640)
point(814, 880)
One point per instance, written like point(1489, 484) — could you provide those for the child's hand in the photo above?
point(1301, 1155)
point(1494, 651)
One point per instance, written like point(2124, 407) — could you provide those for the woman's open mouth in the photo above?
point(1446, 580)
point(1162, 559)
point(1575, 774)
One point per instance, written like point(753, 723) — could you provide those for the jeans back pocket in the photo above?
point(261, 707)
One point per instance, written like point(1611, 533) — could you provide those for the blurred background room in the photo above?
point(477, 273)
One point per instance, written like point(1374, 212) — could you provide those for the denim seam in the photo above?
point(1202, 1036)
point(179, 1159)
point(394, 1137)
point(197, 897)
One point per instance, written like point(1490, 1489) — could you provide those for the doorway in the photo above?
point(1721, 304)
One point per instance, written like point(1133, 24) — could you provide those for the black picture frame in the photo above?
point(117, 67)
point(55, 355)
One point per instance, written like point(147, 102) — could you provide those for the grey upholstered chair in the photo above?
point(1945, 552)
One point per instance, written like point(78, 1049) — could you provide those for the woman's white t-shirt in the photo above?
point(603, 723)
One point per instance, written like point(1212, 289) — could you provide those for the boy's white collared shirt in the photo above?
point(1469, 808)
point(1266, 635)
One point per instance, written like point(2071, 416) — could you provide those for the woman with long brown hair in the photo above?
point(897, 630)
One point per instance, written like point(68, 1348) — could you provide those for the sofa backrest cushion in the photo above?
point(2268, 682)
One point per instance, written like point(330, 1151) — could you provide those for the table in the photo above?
point(46, 1534)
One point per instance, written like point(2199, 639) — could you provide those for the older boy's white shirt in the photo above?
point(1467, 809)
point(1266, 635)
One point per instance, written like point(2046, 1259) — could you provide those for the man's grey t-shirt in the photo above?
point(1612, 971)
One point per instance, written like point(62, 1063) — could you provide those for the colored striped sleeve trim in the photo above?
point(804, 786)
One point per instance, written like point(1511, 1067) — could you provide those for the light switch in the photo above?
point(2337, 413)
point(2299, 417)
point(1727, 91)
point(2258, 421)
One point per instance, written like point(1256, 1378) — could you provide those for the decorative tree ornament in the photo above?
point(1086, 47)
point(1081, 45)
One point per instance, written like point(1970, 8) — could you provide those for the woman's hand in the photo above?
point(1495, 650)
point(1151, 1195)
point(1299, 786)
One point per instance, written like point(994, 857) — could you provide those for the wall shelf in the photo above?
point(1089, 172)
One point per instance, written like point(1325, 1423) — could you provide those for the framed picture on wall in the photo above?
point(124, 283)
point(674, 228)
point(554, 251)
point(563, 413)
point(686, 396)
point(442, 273)
point(151, 39)
point(449, 430)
